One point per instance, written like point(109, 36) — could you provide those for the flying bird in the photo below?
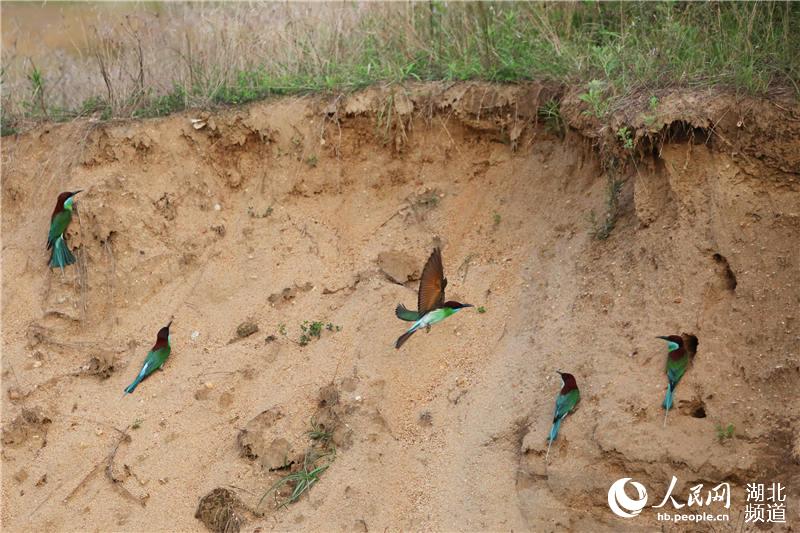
point(681, 349)
point(59, 221)
point(431, 307)
point(155, 358)
point(567, 399)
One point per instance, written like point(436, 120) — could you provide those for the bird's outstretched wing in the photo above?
point(432, 284)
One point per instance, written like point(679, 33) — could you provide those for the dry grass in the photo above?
point(151, 59)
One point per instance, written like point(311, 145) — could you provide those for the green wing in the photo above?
point(156, 359)
point(403, 313)
point(58, 226)
point(676, 368)
point(566, 402)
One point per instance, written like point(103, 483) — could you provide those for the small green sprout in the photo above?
point(725, 432)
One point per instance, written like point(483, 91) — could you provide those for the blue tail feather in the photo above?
point(668, 398)
point(61, 256)
point(132, 387)
point(554, 429)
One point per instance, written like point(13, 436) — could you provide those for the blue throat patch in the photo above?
point(672, 346)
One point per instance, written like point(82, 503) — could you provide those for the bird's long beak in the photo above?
point(663, 338)
point(468, 305)
point(76, 192)
point(170, 323)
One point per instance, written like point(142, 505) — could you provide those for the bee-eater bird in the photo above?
point(567, 399)
point(62, 216)
point(681, 349)
point(155, 358)
point(431, 307)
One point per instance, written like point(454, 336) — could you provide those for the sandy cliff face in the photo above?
point(312, 210)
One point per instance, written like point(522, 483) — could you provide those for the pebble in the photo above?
point(37, 364)
point(194, 335)
point(209, 385)
point(217, 207)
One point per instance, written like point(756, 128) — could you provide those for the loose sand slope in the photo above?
point(296, 210)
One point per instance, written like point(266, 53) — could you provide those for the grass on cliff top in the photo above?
point(162, 58)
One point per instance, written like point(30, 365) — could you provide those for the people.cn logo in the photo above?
point(619, 502)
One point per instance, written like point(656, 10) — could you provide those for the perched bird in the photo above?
point(155, 358)
point(567, 399)
point(431, 307)
point(62, 215)
point(681, 349)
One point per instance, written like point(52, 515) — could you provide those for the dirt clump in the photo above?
point(221, 511)
point(261, 440)
point(31, 425)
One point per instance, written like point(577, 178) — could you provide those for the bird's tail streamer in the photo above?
point(552, 436)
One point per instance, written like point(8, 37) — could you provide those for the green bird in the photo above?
point(430, 300)
point(155, 358)
point(567, 399)
point(681, 350)
point(59, 221)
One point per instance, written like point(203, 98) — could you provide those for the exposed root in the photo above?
point(108, 462)
point(118, 482)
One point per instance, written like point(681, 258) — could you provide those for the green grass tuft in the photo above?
point(319, 456)
point(597, 103)
point(613, 49)
point(626, 138)
point(319, 434)
point(550, 112)
point(724, 432)
point(313, 330)
point(303, 479)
